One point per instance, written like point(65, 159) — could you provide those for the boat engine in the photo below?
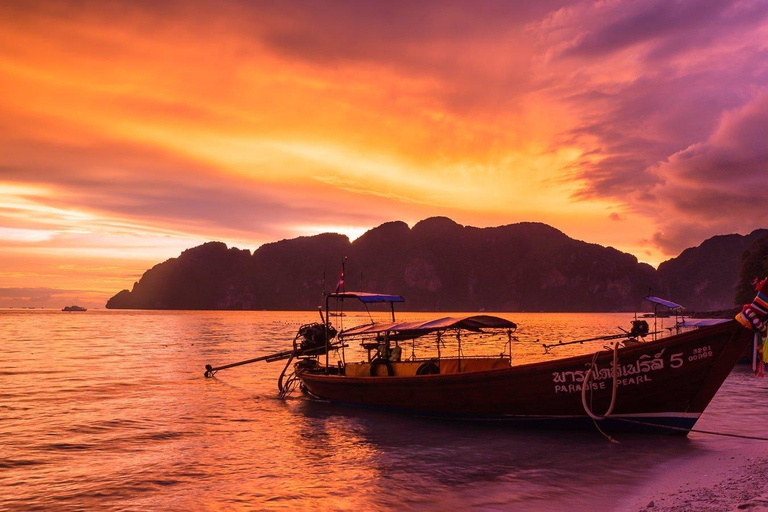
point(313, 336)
point(639, 328)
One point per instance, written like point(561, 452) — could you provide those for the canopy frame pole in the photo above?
point(325, 329)
point(755, 341)
point(458, 339)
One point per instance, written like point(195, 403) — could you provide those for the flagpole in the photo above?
point(339, 288)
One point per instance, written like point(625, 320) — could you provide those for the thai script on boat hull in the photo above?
point(629, 374)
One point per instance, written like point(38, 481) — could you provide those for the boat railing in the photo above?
point(380, 345)
point(426, 366)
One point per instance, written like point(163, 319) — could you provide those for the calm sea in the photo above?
point(109, 410)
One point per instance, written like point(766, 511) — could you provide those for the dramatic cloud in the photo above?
point(716, 186)
point(671, 97)
point(132, 130)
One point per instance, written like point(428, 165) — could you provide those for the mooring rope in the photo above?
point(596, 418)
point(698, 431)
point(290, 385)
point(585, 384)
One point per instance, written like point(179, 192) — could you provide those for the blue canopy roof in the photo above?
point(663, 302)
point(367, 298)
point(419, 328)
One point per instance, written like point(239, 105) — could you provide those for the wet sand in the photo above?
point(720, 472)
point(734, 479)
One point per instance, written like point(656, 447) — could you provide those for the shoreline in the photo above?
point(712, 480)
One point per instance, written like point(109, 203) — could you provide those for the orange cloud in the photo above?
point(141, 129)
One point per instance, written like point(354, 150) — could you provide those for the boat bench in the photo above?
point(447, 366)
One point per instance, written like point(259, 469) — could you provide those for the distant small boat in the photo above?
point(73, 308)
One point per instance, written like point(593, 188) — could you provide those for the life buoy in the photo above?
point(428, 368)
point(379, 362)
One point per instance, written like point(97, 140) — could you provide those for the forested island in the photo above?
point(439, 265)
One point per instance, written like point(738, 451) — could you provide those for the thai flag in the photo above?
point(340, 284)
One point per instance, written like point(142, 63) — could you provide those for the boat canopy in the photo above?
point(367, 298)
point(663, 302)
point(419, 328)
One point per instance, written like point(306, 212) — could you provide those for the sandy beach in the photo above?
point(729, 479)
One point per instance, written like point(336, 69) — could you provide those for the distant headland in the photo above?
point(439, 265)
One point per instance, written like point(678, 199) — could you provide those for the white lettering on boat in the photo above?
point(573, 388)
point(632, 374)
point(630, 381)
point(700, 353)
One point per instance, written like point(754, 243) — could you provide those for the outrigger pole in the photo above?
point(271, 358)
point(277, 356)
point(598, 338)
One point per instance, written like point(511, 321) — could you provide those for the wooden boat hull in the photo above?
point(663, 386)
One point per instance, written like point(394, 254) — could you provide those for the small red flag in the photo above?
point(340, 284)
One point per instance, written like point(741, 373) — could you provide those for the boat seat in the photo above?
point(479, 364)
point(400, 368)
point(409, 368)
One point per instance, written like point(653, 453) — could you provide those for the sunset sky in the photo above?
point(130, 131)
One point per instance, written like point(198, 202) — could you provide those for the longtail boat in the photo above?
point(661, 386)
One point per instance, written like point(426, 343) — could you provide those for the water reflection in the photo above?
point(110, 410)
point(429, 463)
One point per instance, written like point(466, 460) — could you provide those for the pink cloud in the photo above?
point(716, 186)
point(150, 186)
point(672, 109)
point(664, 99)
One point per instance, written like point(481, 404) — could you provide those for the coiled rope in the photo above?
point(588, 376)
point(585, 385)
point(596, 418)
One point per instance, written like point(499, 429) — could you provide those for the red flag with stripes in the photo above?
point(340, 284)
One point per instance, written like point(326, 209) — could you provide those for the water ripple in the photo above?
point(109, 411)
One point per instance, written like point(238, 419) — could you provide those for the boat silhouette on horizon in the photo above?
point(73, 308)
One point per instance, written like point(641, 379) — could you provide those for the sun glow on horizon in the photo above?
point(254, 122)
point(351, 232)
